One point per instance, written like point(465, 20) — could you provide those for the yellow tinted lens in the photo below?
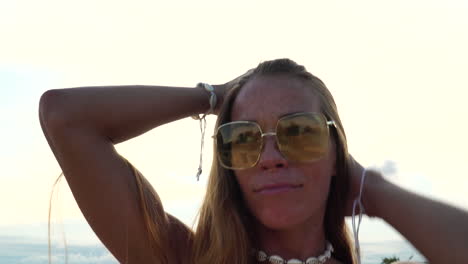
point(238, 144)
point(303, 137)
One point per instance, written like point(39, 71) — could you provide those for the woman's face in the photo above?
point(264, 100)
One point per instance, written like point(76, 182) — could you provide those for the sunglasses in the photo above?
point(301, 137)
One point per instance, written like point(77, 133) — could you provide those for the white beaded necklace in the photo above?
point(274, 259)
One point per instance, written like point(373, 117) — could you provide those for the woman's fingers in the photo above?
point(373, 179)
point(223, 89)
point(355, 174)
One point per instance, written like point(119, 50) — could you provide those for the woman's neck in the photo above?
point(301, 242)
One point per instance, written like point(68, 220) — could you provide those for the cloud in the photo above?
point(389, 167)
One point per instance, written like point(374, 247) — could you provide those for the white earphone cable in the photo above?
point(358, 203)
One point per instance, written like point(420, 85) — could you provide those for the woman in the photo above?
point(281, 184)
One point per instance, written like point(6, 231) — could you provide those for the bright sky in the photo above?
point(397, 70)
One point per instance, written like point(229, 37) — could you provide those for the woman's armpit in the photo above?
point(181, 240)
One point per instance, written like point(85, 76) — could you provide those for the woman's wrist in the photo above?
point(374, 184)
point(205, 96)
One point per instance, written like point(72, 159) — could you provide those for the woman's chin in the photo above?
point(276, 220)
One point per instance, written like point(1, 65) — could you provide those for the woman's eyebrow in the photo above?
point(279, 117)
point(293, 113)
point(244, 119)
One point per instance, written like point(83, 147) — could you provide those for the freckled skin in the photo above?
point(264, 100)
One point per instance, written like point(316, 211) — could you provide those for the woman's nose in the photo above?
point(270, 156)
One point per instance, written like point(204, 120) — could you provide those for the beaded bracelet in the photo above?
point(213, 101)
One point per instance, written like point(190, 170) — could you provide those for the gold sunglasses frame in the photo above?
point(327, 122)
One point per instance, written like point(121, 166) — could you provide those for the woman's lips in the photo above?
point(277, 188)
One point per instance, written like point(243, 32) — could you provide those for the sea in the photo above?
point(14, 250)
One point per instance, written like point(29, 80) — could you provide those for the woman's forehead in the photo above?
point(272, 97)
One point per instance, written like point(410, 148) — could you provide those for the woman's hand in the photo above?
point(222, 90)
point(438, 230)
point(372, 179)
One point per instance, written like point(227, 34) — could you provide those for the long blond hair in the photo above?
point(225, 233)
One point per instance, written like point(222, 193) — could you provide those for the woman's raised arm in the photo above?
point(439, 231)
point(120, 112)
point(82, 125)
